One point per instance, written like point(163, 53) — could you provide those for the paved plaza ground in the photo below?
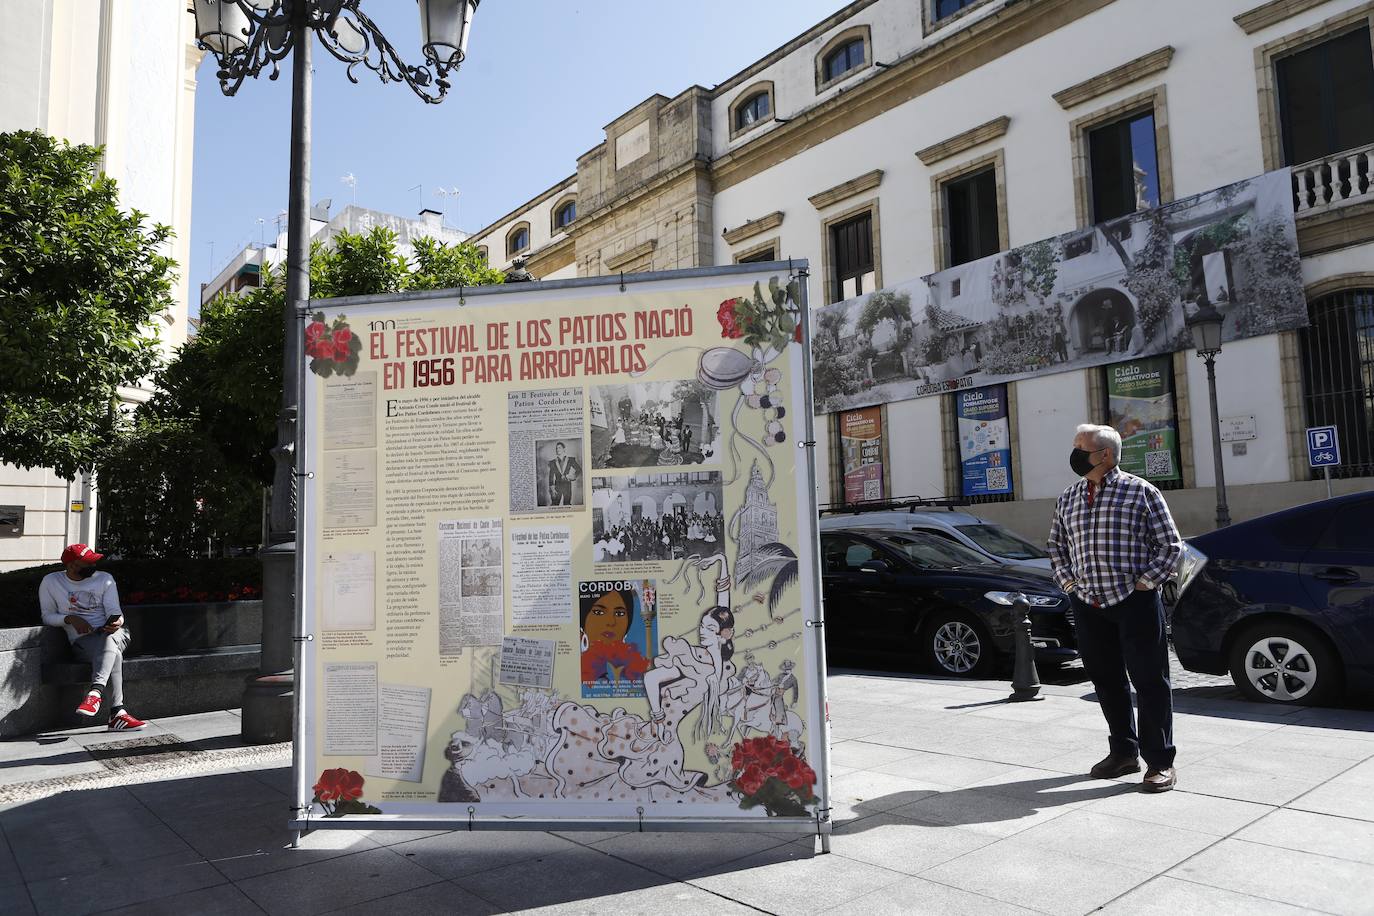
point(947, 800)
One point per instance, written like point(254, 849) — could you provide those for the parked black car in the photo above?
point(1285, 603)
point(922, 597)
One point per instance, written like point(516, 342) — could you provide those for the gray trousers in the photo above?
point(105, 652)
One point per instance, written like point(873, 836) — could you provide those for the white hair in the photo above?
point(1103, 437)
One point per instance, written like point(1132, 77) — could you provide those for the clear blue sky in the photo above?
point(541, 81)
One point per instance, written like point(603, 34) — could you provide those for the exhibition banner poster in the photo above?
point(861, 443)
point(984, 441)
point(559, 555)
point(1122, 289)
point(1140, 397)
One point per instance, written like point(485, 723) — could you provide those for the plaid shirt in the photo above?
point(1106, 539)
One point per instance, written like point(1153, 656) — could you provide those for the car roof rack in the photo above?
point(909, 503)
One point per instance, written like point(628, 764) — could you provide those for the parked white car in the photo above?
point(988, 538)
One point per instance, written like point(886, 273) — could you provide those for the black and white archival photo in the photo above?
point(654, 424)
point(558, 469)
point(657, 516)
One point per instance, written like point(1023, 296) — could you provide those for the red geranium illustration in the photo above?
point(332, 346)
point(339, 792)
point(729, 323)
point(768, 772)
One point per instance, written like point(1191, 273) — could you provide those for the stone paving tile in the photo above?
point(1321, 834)
point(865, 792)
point(1288, 876)
point(1046, 789)
point(1319, 742)
point(255, 841)
point(919, 897)
point(136, 883)
point(863, 755)
point(944, 769)
point(1344, 799)
point(1258, 757)
point(903, 845)
point(665, 900)
point(981, 811)
point(439, 899)
point(1032, 876)
point(460, 853)
point(219, 900)
point(1226, 782)
point(792, 879)
point(14, 901)
point(9, 867)
point(1181, 808)
point(577, 875)
point(320, 887)
point(679, 855)
point(1117, 840)
point(1008, 750)
point(66, 838)
point(1166, 896)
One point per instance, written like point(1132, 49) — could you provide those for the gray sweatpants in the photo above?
point(105, 652)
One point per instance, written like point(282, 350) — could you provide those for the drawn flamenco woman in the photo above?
point(621, 756)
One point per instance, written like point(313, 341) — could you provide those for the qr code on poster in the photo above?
point(873, 489)
point(997, 478)
point(1159, 464)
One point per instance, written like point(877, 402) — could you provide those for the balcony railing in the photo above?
point(1336, 181)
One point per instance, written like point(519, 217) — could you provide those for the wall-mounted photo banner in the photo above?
point(1122, 289)
point(1140, 398)
point(558, 548)
point(984, 441)
point(863, 453)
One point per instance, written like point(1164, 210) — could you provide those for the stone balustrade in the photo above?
point(1335, 181)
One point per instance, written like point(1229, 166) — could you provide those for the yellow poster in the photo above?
point(558, 547)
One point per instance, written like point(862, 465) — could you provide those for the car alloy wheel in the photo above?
point(1281, 668)
point(956, 647)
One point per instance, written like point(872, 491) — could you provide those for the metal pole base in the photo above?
point(268, 704)
point(1025, 680)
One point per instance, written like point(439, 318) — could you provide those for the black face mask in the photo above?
point(85, 572)
point(1081, 461)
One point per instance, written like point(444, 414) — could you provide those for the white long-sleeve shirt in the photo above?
point(94, 600)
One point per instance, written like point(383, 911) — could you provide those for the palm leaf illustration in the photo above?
point(772, 561)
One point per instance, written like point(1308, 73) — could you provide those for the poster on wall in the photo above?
point(1118, 290)
point(1140, 398)
point(984, 441)
point(862, 452)
point(559, 557)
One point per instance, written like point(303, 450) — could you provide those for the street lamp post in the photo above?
point(1206, 327)
point(247, 38)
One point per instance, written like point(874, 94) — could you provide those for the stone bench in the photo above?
point(181, 659)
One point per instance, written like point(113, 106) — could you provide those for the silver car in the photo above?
point(988, 538)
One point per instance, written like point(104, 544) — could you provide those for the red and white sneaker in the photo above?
point(123, 722)
point(89, 706)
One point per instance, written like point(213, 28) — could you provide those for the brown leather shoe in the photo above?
point(1159, 780)
point(1111, 766)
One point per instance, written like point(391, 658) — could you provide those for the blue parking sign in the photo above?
point(1323, 449)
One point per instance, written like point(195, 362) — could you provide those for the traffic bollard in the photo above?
point(1025, 680)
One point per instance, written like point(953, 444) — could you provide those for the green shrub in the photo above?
point(141, 582)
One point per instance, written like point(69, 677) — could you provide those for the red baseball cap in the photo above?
point(82, 553)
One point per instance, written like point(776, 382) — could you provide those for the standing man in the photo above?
point(1112, 545)
point(85, 603)
point(563, 472)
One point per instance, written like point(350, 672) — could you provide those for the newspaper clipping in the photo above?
point(470, 584)
point(545, 429)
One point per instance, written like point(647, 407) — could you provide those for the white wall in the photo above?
point(1248, 383)
point(915, 450)
point(1048, 409)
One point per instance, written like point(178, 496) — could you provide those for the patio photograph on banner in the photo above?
point(1118, 290)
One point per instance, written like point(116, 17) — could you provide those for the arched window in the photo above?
point(565, 215)
point(1338, 375)
point(518, 239)
point(482, 250)
point(848, 56)
point(752, 110)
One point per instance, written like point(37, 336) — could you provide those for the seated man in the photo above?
point(85, 603)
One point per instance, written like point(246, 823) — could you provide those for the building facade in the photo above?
point(122, 76)
point(903, 137)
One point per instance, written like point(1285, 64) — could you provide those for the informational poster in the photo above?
point(1140, 398)
point(984, 441)
point(863, 449)
point(562, 566)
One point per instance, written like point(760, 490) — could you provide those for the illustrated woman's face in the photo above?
point(608, 620)
point(711, 634)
